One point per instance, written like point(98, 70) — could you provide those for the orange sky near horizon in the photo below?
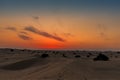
point(79, 32)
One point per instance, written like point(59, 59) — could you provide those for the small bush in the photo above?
point(44, 55)
point(101, 57)
point(88, 56)
point(64, 55)
point(74, 53)
point(118, 52)
point(116, 56)
point(23, 50)
point(77, 56)
point(11, 50)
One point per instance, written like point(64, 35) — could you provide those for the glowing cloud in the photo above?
point(43, 33)
point(24, 37)
point(11, 28)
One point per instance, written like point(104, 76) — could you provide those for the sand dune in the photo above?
point(59, 65)
point(21, 64)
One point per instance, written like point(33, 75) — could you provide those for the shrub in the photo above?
point(101, 57)
point(118, 52)
point(74, 53)
point(64, 55)
point(116, 56)
point(77, 56)
point(90, 53)
point(88, 56)
point(44, 55)
point(11, 50)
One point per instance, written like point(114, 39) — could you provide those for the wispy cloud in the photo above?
point(60, 22)
point(67, 34)
point(24, 37)
point(36, 17)
point(23, 32)
point(103, 31)
point(102, 27)
point(11, 28)
point(43, 33)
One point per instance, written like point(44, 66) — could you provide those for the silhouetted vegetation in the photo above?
point(88, 56)
point(101, 57)
point(11, 50)
point(77, 56)
point(74, 53)
point(116, 56)
point(64, 55)
point(56, 52)
point(44, 55)
point(118, 52)
point(23, 50)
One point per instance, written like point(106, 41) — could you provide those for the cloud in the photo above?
point(11, 28)
point(103, 31)
point(104, 36)
point(102, 27)
point(24, 37)
point(43, 33)
point(60, 22)
point(67, 34)
point(36, 17)
point(23, 32)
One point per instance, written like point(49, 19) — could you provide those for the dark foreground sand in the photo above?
point(58, 65)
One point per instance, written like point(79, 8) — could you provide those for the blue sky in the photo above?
point(72, 5)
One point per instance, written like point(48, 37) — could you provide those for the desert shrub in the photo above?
point(88, 56)
point(101, 57)
point(44, 55)
point(116, 56)
point(90, 53)
point(56, 52)
point(74, 53)
point(11, 50)
point(64, 55)
point(118, 52)
point(77, 56)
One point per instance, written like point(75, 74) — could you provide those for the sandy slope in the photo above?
point(56, 67)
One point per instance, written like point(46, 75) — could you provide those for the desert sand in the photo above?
point(16, 64)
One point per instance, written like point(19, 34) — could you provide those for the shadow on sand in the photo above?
point(24, 64)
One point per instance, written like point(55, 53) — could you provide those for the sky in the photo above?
point(60, 24)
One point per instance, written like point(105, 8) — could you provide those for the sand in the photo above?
point(59, 65)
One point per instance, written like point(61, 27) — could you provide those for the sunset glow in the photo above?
point(60, 24)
